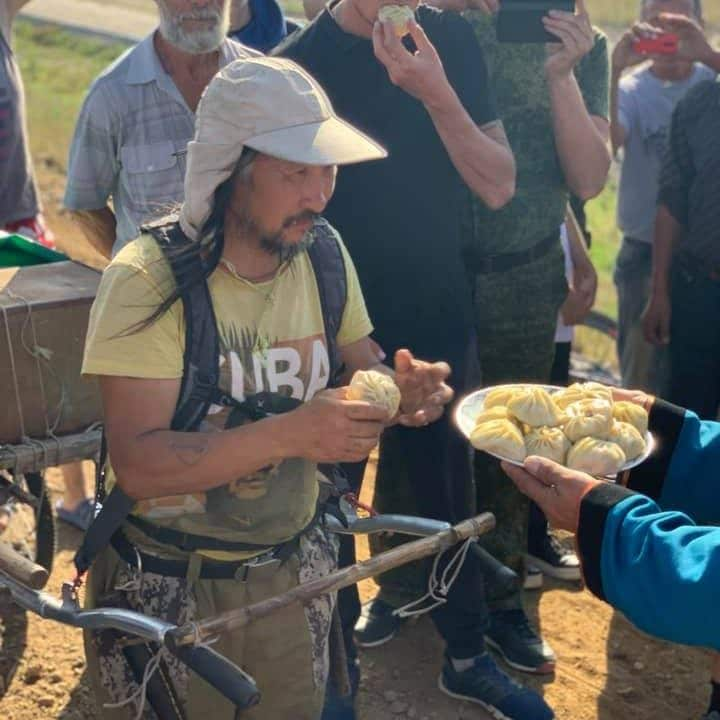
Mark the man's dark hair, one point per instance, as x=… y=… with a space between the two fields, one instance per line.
x=208 y=246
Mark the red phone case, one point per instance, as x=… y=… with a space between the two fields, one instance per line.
x=661 y=45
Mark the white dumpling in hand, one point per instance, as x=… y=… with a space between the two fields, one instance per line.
x=628 y=438
x=499 y=437
x=582 y=391
x=596 y=457
x=588 y=418
x=534 y=406
x=376 y=388
x=629 y=412
x=547 y=442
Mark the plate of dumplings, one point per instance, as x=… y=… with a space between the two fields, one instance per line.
x=581 y=427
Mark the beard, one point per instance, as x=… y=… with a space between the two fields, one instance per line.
x=197 y=42
x=274 y=243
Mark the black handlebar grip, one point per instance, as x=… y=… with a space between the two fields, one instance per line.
x=501 y=578
x=226 y=677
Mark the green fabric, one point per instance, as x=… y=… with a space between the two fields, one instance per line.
x=517 y=78
x=516 y=313
x=18 y=251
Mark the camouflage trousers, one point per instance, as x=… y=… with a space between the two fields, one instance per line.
x=516 y=315
x=286 y=653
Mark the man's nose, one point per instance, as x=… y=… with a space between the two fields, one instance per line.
x=317 y=196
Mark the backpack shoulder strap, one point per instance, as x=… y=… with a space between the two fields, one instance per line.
x=197 y=391
x=200 y=361
x=330 y=273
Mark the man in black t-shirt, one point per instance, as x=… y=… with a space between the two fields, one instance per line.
x=426 y=99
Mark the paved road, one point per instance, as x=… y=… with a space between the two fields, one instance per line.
x=100 y=17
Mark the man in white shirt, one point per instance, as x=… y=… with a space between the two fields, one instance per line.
x=137 y=119
x=641 y=109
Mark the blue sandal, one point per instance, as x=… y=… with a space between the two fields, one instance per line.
x=80 y=517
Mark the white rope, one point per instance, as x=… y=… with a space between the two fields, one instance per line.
x=438 y=589
x=44 y=354
x=140 y=693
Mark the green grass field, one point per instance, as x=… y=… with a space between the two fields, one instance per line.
x=57 y=68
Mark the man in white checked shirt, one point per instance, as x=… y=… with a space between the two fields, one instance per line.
x=130 y=138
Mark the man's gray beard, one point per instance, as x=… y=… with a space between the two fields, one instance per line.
x=199 y=42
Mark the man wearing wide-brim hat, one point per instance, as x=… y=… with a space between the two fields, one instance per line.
x=260 y=172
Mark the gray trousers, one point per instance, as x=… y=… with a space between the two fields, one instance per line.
x=642 y=365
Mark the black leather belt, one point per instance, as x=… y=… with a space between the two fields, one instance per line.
x=210 y=569
x=486 y=264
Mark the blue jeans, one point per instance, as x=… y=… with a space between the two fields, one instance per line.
x=642 y=365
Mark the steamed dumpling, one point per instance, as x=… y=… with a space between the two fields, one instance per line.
x=500 y=437
x=628 y=438
x=582 y=391
x=498 y=412
x=588 y=418
x=398 y=15
x=535 y=407
x=629 y=412
x=377 y=388
x=596 y=457
x=501 y=396
x=547 y=442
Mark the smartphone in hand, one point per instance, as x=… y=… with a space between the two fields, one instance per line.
x=665 y=44
x=520 y=21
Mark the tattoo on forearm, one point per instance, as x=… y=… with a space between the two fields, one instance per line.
x=190 y=451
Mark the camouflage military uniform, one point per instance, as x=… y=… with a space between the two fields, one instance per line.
x=516 y=310
x=291 y=644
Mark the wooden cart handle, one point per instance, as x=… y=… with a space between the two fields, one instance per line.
x=19 y=568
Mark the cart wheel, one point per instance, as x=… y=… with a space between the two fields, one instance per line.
x=30 y=530
x=594 y=351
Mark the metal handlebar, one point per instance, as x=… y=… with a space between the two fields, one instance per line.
x=229 y=679
x=501 y=578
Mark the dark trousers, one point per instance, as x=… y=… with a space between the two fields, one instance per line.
x=559 y=375
x=427 y=472
x=695 y=342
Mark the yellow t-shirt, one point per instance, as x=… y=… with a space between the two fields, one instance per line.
x=272 y=338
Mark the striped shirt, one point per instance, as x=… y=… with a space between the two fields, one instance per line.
x=130 y=140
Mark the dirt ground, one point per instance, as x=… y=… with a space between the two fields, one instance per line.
x=607 y=670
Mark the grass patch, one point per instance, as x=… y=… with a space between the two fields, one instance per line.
x=605 y=244
x=57 y=69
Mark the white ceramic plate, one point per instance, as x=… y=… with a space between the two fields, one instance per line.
x=471 y=406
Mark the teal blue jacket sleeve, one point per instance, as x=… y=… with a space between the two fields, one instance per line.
x=654 y=555
x=684 y=473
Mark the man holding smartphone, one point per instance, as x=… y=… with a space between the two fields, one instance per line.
x=642 y=103
x=553 y=101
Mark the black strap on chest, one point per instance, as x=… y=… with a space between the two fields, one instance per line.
x=199 y=387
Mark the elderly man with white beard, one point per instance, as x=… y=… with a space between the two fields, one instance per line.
x=136 y=121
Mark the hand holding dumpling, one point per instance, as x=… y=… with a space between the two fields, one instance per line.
x=377 y=388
